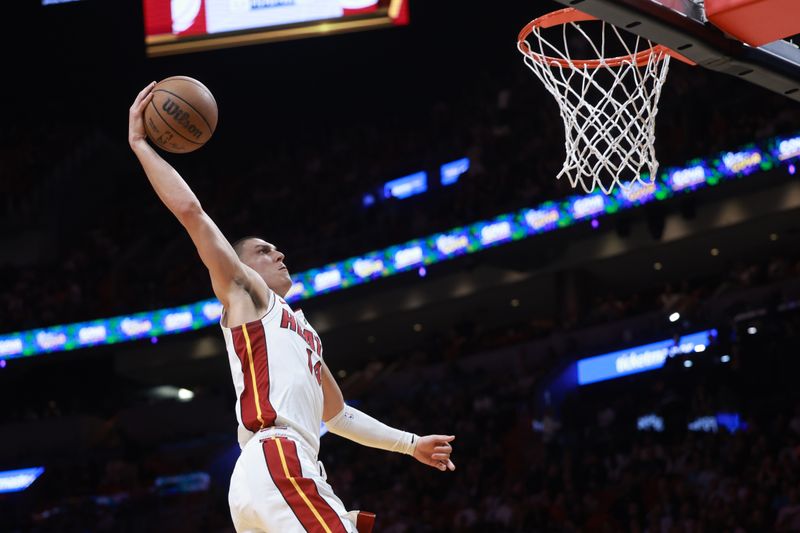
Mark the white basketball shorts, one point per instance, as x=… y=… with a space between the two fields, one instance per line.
x=277 y=486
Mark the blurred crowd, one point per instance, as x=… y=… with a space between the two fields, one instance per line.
x=523 y=464
x=684 y=296
x=81 y=252
x=588 y=468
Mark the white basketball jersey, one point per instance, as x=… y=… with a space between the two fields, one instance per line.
x=276 y=364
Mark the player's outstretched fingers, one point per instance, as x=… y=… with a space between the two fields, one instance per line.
x=441 y=452
x=144 y=102
x=143 y=94
x=443 y=462
x=435 y=450
x=444 y=447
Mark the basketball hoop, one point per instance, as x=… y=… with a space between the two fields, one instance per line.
x=608 y=104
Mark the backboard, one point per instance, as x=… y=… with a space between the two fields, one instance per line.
x=683 y=26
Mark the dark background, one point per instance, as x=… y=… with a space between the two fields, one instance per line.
x=471 y=349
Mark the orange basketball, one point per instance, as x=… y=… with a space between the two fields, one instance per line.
x=182 y=115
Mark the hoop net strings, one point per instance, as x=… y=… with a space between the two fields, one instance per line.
x=609 y=134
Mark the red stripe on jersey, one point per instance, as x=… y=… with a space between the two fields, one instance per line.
x=258 y=345
x=247 y=402
x=300 y=493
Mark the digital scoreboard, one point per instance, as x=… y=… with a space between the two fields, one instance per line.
x=180 y=26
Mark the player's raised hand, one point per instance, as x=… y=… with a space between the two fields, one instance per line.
x=435 y=450
x=136 y=130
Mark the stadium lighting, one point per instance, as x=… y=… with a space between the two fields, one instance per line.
x=674 y=317
x=185 y=395
x=725 y=358
x=451 y=172
x=404 y=187
x=19 y=480
x=688 y=363
x=752 y=330
x=636 y=359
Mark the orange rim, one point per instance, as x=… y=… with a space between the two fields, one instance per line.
x=568 y=15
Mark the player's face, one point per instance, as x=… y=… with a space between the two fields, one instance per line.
x=267 y=260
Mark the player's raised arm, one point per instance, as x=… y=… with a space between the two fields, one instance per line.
x=228 y=273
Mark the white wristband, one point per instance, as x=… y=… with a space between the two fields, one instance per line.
x=352 y=424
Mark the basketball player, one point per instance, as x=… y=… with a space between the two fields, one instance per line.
x=283 y=386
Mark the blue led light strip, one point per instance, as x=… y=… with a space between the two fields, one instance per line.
x=19 y=480
x=418 y=253
x=640 y=358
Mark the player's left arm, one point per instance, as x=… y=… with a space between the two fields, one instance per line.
x=350 y=423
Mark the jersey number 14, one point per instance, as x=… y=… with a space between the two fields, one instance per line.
x=316 y=369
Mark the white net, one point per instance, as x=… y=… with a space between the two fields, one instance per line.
x=608 y=105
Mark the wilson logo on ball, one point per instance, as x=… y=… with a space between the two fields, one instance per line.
x=181 y=117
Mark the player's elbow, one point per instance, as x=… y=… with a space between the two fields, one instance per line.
x=189 y=212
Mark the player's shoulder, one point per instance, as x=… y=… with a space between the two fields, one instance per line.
x=283 y=306
x=301 y=316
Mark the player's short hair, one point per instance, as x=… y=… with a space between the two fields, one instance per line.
x=238 y=244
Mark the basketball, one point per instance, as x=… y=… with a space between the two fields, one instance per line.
x=182 y=115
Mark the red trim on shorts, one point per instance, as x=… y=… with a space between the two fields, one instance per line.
x=300 y=493
x=247 y=402
x=258 y=344
x=365 y=522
